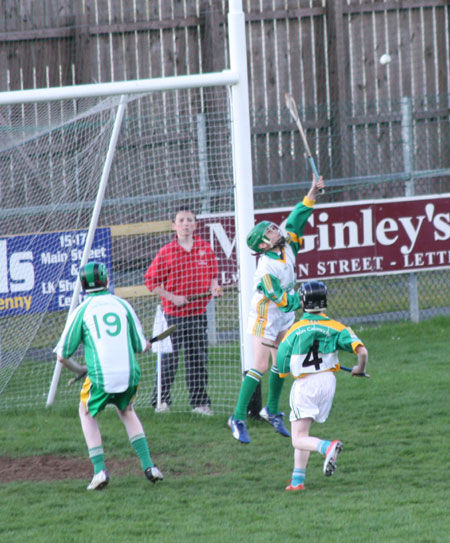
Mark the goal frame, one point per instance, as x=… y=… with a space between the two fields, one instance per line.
x=236 y=79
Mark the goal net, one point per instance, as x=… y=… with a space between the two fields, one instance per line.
x=173 y=151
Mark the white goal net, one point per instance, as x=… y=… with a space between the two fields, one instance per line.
x=174 y=151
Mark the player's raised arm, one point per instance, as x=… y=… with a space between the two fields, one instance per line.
x=318 y=184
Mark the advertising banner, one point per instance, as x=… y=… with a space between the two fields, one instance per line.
x=38 y=272
x=354 y=239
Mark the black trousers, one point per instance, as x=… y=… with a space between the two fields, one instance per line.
x=190 y=335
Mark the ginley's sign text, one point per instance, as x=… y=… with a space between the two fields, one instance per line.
x=358 y=238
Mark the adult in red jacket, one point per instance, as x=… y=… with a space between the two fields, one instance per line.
x=182 y=274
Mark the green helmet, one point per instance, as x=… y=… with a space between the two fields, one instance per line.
x=257 y=236
x=94 y=276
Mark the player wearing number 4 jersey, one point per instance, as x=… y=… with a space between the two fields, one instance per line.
x=309 y=352
x=111 y=333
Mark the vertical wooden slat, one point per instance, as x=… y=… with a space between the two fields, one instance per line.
x=116 y=42
x=143 y=43
x=287 y=137
x=259 y=82
x=369 y=162
x=387 y=38
x=416 y=44
x=321 y=143
x=404 y=53
x=338 y=85
x=442 y=40
x=430 y=83
x=104 y=60
x=83 y=49
x=428 y=54
x=4 y=67
x=272 y=91
x=212 y=36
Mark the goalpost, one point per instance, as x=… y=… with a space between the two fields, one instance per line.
x=97 y=171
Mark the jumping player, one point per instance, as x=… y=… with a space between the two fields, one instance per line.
x=111 y=333
x=267 y=323
x=309 y=351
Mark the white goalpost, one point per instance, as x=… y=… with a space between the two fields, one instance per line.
x=97 y=172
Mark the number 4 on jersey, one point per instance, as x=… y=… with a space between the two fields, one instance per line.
x=313 y=358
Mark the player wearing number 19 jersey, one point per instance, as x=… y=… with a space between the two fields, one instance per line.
x=111 y=333
x=309 y=352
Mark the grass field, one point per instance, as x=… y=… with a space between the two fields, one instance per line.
x=391 y=484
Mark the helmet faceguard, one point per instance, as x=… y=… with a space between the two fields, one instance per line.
x=314 y=296
x=258 y=234
x=94 y=277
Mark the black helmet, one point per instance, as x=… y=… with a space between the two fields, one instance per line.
x=313 y=295
x=94 y=276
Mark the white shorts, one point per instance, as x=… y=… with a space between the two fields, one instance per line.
x=265 y=320
x=312 y=396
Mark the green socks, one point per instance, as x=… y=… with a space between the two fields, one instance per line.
x=97 y=456
x=275 y=388
x=140 y=445
x=139 y=442
x=248 y=387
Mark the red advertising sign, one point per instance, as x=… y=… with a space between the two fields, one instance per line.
x=354 y=239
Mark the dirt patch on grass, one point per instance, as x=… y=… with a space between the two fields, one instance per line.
x=58 y=468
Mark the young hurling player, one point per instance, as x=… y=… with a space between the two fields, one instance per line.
x=111 y=333
x=309 y=351
x=267 y=323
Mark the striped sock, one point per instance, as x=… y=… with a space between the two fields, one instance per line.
x=275 y=387
x=298 y=477
x=97 y=456
x=322 y=446
x=140 y=445
x=248 y=387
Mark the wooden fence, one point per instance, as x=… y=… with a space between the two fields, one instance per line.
x=326 y=53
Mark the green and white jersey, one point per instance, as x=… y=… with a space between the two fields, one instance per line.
x=111 y=333
x=282 y=267
x=311 y=345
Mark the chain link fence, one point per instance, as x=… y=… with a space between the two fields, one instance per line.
x=365 y=152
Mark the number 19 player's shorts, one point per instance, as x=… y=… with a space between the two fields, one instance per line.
x=312 y=396
x=95 y=400
x=265 y=320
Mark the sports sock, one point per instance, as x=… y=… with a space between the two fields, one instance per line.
x=140 y=445
x=322 y=446
x=275 y=387
x=97 y=456
x=248 y=387
x=298 y=477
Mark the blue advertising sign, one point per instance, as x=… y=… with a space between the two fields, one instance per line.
x=38 y=272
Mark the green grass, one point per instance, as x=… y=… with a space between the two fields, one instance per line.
x=391 y=485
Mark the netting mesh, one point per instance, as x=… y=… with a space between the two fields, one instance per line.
x=174 y=150
x=50 y=171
